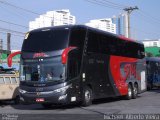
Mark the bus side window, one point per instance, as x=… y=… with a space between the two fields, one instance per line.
x=77 y=39
x=13 y=80
x=1 y=80
x=73 y=68
x=93 y=42
x=73 y=64
x=7 y=80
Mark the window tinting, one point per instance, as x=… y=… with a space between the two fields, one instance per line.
x=48 y=40
x=7 y=80
x=13 y=80
x=77 y=38
x=93 y=42
x=1 y=80
x=104 y=43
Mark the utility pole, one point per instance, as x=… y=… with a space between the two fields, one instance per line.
x=1 y=44
x=129 y=10
x=8 y=41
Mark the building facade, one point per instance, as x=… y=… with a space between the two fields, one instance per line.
x=152 y=47
x=121 y=26
x=53 y=18
x=151 y=43
x=105 y=24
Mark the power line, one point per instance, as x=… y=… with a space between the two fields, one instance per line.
x=14 y=24
x=8 y=30
x=9 y=4
x=11 y=34
x=142 y=31
x=115 y=4
x=26 y=10
x=15 y=12
x=104 y=4
x=29 y=11
x=146 y=15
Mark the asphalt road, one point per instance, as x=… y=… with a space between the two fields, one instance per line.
x=146 y=106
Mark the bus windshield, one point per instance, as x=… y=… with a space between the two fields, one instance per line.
x=46 y=40
x=42 y=70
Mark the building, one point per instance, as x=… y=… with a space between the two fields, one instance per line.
x=53 y=18
x=105 y=24
x=151 y=43
x=121 y=26
x=152 y=47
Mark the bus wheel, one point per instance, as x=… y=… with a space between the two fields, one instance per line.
x=87 y=97
x=129 y=94
x=46 y=105
x=17 y=100
x=135 y=91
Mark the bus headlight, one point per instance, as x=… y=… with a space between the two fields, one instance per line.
x=63 y=89
x=22 y=91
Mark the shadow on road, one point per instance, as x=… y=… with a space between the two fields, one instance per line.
x=155 y=90
x=40 y=107
x=5 y=103
x=63 y=107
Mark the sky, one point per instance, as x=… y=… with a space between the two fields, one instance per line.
x=16 y=14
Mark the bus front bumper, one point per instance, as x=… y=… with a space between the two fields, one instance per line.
x=59 y=98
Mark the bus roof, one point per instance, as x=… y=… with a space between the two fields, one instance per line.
x=156 y=59
x=85 y=27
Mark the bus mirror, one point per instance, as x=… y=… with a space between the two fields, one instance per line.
x=9 y=59
x=64 y=57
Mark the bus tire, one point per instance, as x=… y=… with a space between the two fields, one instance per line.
x=17 y=100
x=135 y=91
x=129 y=94
x=87 y=97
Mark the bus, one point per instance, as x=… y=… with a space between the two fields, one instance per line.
x=153 y=72
x=78 y=64
x=9 y=84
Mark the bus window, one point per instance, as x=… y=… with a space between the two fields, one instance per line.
x=7 y=80
x=46 y=40
x=93 y=43
x=1 y=80
x=77 y=38
x=73 y=68
x=13 y=80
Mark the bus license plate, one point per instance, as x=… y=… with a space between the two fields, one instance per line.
x=39 y=99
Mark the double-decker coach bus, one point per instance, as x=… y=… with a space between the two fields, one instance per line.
x=66 y=64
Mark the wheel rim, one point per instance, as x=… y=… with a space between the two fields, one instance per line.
x=129 y=92
x=135 y=90
x=87 y=95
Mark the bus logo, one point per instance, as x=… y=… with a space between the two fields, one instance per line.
x=37 y=55
x=128 y=71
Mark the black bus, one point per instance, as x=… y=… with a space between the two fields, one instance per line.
x=153 y=72
x=68 y=64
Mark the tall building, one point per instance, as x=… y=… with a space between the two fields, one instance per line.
x=53 y=18
x=121 y=24
x=103 y=24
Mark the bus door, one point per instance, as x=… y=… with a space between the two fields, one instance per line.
x=92 y=75
x=97 y=75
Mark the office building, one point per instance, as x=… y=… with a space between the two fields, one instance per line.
x=53 y=18
x=105 y=24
